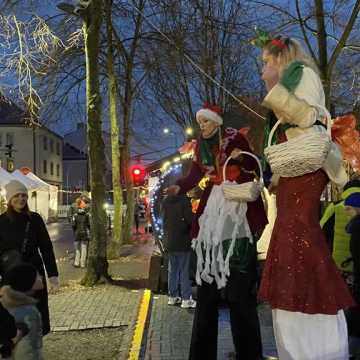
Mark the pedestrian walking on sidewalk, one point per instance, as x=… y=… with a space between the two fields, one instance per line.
x=20 y=283
x=23 y=236
x=300 y=280
x=137 y=214
x=177 y=220
x=81 y=227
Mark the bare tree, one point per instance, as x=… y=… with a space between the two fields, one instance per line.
x=28 y=48
x=201 y=48
x=114 y=246
x=97 y=267
x=128 y=46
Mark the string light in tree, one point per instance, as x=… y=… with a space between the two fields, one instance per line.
x=156 y=196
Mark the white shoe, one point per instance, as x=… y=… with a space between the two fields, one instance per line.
x=174 y=300
x=188 y=304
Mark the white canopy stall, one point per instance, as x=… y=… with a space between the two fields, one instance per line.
x=52 y=192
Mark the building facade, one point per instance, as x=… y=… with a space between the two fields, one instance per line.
x=36 y=147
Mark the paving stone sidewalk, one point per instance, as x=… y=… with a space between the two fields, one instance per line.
x=169 y=332
x=103 y=306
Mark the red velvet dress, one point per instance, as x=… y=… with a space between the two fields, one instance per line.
x=300 y=274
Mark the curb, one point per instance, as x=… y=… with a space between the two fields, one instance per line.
x=137 y=340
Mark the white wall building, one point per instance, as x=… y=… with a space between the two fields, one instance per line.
x=36 y=148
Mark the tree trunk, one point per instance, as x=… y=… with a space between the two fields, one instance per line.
x=97 y=267
x=127 y=110
x=115 y=243
x=129 y=218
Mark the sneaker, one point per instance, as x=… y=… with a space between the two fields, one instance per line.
x=188 y=304
x=174 y=300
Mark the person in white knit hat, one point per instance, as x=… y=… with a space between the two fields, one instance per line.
x=23 y=235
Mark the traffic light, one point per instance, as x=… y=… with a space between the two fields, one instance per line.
x=10 y=150
x=138 y=175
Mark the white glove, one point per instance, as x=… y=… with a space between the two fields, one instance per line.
x=54 y=283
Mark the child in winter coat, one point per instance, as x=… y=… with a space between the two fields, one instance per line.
x=81 y=227
x=20 y=282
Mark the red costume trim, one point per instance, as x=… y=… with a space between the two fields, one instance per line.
x=278 y=43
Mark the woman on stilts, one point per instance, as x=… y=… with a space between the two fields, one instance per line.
x=224 y=238
x=300 y=280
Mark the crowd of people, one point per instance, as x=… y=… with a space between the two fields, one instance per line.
x=314 y=309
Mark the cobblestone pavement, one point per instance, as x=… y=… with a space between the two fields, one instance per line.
x=169 y=332
x=103 y=306
x=85 y=320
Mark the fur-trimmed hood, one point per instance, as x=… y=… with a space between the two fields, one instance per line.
x=11 y=298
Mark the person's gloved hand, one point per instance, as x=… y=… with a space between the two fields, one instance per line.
x=54 y=283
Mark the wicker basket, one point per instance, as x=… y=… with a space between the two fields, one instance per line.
x=301 y=155
x=246 y=192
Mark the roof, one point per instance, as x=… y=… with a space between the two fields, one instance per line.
x=70 y=152
x=13 y=115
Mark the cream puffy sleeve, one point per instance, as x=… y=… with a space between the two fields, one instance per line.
x=304 y=106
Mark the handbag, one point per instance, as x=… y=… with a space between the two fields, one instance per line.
x=245 y=192
x=300 y=155
x=13 y=257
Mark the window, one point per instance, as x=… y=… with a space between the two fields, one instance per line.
x=9 y=139
x=51 y=168
x=58 y=170
x=57 y=148
x=44 y=166
x=45 y=143
x=51 y=145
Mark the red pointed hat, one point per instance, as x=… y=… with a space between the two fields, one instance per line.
x=211 y=112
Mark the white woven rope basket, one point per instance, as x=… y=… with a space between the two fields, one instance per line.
x=301 y=155
x=246 y=192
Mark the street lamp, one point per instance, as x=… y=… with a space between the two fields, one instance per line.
x=189 y=131
x=166 y=131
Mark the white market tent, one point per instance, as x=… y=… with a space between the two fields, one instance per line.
x=52 y=194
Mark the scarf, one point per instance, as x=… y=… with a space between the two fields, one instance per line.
x=207 y=157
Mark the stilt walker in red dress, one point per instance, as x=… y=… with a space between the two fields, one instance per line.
x=300 y=279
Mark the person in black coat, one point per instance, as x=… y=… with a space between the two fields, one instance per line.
x=81 y=227
x=19 y=226
x=177 y=220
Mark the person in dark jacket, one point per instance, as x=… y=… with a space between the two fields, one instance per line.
x=352 y=207
x=8 y=331
x=19 y=226
x=81 y=227
x=177 y=220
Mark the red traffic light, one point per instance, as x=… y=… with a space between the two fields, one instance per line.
x=136 y=172
x=138 y=175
